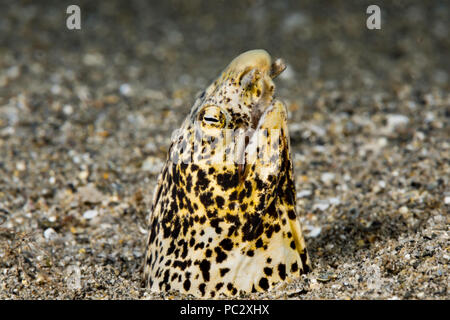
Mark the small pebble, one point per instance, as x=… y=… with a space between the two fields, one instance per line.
x=125 y=89
x=327 y=276
x=304 y=193
x=152 y=164
x=313 y=232
x=321 y=205
x=67 y=109
x=50 y=234
x=90 y=214
x=334 y=201
x=327 y=177
x=21 y=166
x=396 y=120
x=403 y=210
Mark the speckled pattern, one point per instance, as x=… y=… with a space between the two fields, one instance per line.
x=86 y=120
x=222 y=224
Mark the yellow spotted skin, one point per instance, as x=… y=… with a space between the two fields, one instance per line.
x=217 y=227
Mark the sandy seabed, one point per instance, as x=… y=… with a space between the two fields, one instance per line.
x=86 y=118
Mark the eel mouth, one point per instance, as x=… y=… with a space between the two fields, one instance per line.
x=267 y=88
x=264 y=145
x=256 y=70
x=267 y=113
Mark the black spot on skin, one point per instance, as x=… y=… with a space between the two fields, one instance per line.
x=272 y=210
x=205 y=265
x=233 y=291
x=189 y=183
x=259 y=243
x=248 y=189
x=252 y=228
x=259 y=184
x=221 y=256
x=243 y=207
x=293 y=244
x=224 y=271
x=289 y=195
x=228 y=180
x=268 y=271
x=234 y=219
x=185 y=249
x=202 y=220
x=211 y=213
x=233 y=196
x=282 y=271
x=175 y=175
x=229 y=286
x=294 y=267
x=262 y=202
x=304 y=256
x=242 y=195
x=211 y=170
x=202 y=180
x=292 y=215
x=201 y=287
x=226 y=244
x=276 y=228
x=208 y=253
x=220 y=202
x=206 y=199
x=269 y=260
x=250 y=253
x=166 y=276
x=264 y=284
x=171 y=248
x=152 y=233
x=215 y=224
x=232 y=230
x=269 y=231
x=199 y=245
x=219 y=285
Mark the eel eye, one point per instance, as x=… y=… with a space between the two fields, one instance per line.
x=212 y=117
x=210 y=120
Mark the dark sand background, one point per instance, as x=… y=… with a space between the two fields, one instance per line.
x=86 y=118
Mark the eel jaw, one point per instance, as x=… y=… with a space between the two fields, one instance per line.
x=256 y=69
x=266 y=144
